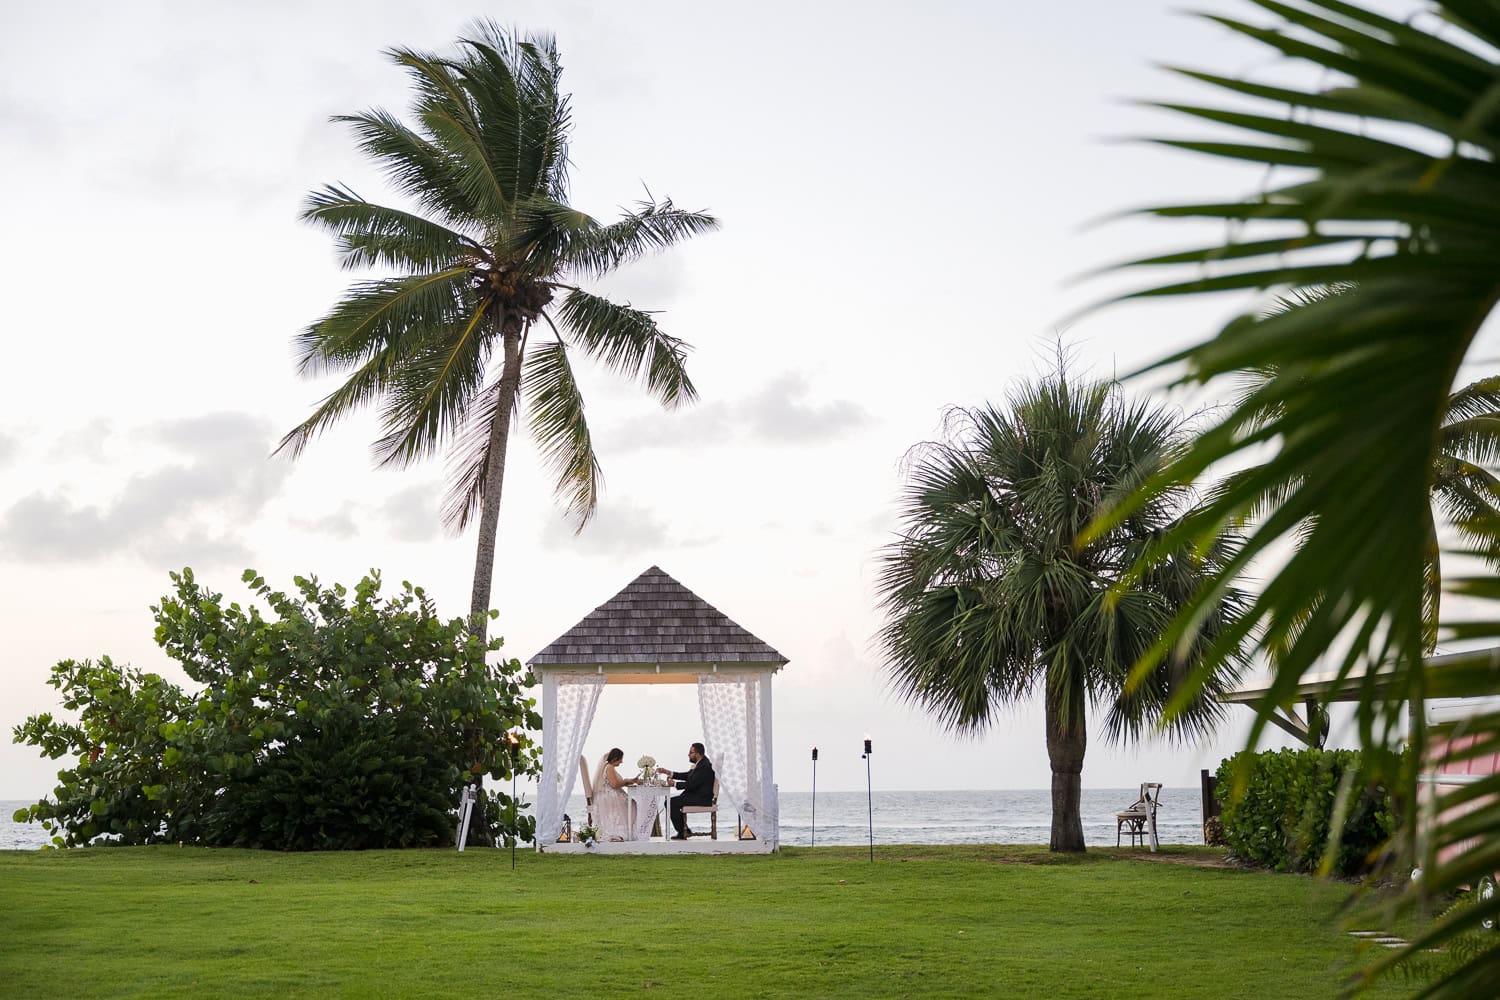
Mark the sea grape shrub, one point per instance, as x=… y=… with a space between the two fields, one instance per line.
x=121 y=785
x=336 y=721
x=354 y=782
x=1284 y=817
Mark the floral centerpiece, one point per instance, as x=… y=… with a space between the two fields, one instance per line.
x=588 y=835
x=647 y=764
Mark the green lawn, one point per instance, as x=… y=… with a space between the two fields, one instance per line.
x=920 y=922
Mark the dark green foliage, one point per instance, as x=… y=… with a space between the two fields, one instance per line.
x=119 y=786
x=1283 y=816
x=356 y=782
x=334 y=724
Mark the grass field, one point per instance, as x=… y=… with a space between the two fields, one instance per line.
x=920 y=922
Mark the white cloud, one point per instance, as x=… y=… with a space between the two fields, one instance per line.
x=84 y=443
x=620 y=528
x=779 y=413
x=342 y=524
x=216 y=481
x=412 y=515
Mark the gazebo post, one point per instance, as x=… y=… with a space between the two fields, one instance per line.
x=549 y=743
x=768 y=789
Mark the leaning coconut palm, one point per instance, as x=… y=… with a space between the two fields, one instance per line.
x=489 y=250
x=1384 y=143
x=989 y=596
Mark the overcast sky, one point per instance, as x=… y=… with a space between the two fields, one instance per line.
x=905 y=191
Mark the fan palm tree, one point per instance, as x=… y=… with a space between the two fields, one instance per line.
x=989 y=595
x=1383 y=176
x=487 y=253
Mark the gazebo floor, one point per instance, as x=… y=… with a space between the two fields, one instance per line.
x=696 y=845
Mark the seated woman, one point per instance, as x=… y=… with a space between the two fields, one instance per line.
x=611 y=804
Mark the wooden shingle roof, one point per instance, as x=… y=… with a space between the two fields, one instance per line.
x=656 y=620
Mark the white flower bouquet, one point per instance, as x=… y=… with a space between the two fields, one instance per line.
x=587 y=835
x=647 y=764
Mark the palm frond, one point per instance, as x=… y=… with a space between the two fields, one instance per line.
x=375 y=316
x=1480 y=398
x=562 y=432
x=414 y=164
x=628 y=341
x=1474 y=440
x=445 y=107
x=1362 y=380
x=519 y=108
x=469 y=458
x=424 y=405
x=652 y=227
x=372 y=235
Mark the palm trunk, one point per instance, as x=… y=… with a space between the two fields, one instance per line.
x=1432 y=599
x=1067 y=739
x=480 y=834
x=494 y=480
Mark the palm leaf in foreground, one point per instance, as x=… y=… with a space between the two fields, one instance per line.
x=1362 y=381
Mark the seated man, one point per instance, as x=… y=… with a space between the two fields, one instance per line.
x=697 y=784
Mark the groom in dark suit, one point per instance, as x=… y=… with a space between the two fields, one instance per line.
x=697 y=784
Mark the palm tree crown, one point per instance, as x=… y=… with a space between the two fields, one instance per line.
x=488 y=248
x=990 y=593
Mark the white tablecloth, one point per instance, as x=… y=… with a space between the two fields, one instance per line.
x=649 y=801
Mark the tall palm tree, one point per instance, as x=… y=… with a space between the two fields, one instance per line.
x=989 y=595
x=486 y=249
x=1382 y=152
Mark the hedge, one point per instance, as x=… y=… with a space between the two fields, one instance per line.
x=1283 y=817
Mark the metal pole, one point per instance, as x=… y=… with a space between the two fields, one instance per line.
x=870 y=793
x=515 y=810
x=815 y=798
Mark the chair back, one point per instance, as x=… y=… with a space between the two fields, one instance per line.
x=588 y=784
x=1151 y=795
x=716 y=792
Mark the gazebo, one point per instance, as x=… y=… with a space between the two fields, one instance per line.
x=656 y=631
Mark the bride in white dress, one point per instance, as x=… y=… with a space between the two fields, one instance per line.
x=611 y=804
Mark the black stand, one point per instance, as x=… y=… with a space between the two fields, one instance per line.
x=869 y=792
x=815 y=798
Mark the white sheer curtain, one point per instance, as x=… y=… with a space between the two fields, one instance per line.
x=731 y=711
x=568 y=703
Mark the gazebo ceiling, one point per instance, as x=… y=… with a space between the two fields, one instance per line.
x=654 y=632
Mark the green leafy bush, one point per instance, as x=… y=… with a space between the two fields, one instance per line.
x=334 y=723
x=1277 y=810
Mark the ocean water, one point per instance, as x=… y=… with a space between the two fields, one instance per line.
x=924 y=817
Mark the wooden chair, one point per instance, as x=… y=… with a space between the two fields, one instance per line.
x=1133 y=821
x=712 y=810
x=588 y=787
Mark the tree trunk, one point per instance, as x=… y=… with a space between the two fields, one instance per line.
x=494 y=480
x=1067 y=739
x=480 y=834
